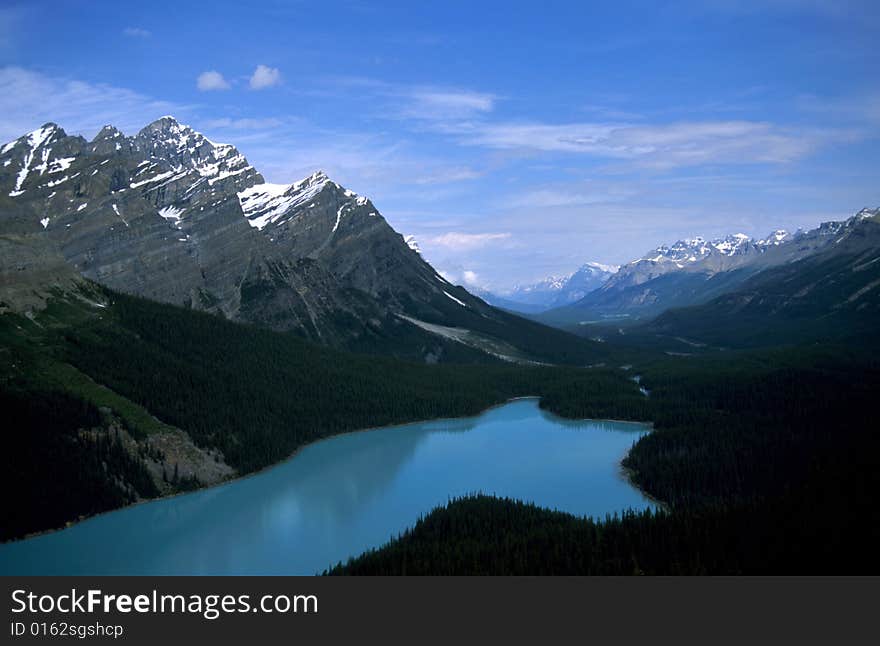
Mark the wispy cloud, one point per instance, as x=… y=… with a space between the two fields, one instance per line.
x=446 y=175
x=137 y=32
x=443 y=104
x=420 y=102
x=660 y=146
x=264 y=77
x=244 y=123
x=211 y=80
x=29 y=99
x=464 y=241
x=565 y=196
x=471 y=118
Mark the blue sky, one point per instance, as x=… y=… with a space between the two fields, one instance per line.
x=514 y=140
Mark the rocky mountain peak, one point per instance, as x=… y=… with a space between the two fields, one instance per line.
x=51 y=131
x=106 y=133
x=43 y=135
x=38 y=153
x=319 y=176
x=175 y=148
x=166 y=124
x=867 y=213
x=775 y=238
x=167 y=137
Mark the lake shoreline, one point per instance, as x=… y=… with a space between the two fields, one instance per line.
x=300 y=448
x=629 y=475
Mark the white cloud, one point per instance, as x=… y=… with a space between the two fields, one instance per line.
x=471 y=278
x=137 y=32
x=448 y=175
x=465 y=277
x=264 y=77
x=211 y=80
x=442 y=104
x=29 y=99
x=564 y=196
x=660 y=146
x=245 y=123
x=464 y=241
x=429 y=103
x=467 y=116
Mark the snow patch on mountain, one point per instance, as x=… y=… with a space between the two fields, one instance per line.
x=33 y=140
x=454 y=298
x=412 y=243
x=265 y=204
x=172 y=214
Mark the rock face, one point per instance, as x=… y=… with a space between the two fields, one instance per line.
x=172 y=216
x=694 y=271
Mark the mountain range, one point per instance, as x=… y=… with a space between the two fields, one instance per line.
x=831 y=294
x=169 y=215
x=694 y=271
x=554 y=291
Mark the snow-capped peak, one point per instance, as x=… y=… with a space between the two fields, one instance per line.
x=551 y=283
x=36 y=140
x=608 y=269
x=775 y=238
x=691 y=250
x=683 y=251
x=732 y=244
x=176 y=149
x=108 y=132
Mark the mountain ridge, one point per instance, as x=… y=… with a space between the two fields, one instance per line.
x=693 y=271
x=831 y=295
x=170 y=215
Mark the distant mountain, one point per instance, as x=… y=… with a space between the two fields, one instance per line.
x=172 y=216
x=554 y=291
x=832 y=295
x=691 y=272
x=586 y=279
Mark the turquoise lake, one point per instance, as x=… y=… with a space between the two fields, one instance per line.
x=341 y=496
